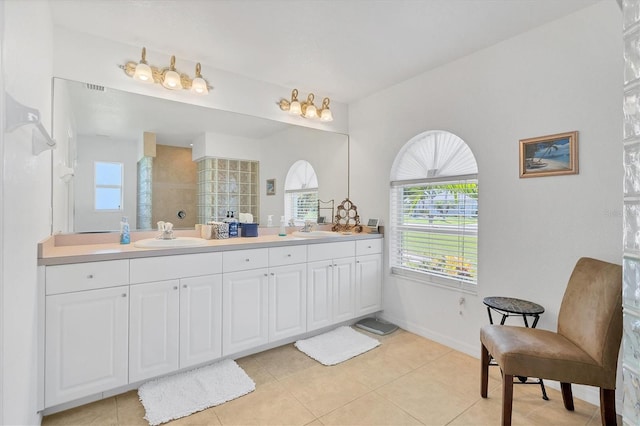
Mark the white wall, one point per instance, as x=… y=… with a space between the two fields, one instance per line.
x=90 y=150
x=561 y=77
x=26 y=68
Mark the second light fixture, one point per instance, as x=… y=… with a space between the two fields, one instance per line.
x=307 y=109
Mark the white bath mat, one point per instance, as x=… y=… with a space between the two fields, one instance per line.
x=176 y=396
x=337 y=345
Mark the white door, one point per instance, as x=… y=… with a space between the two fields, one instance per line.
x=200 y=319
x=320 y=294
x=153 y=333
x=287 y=301
x=245 y=310
x=368 y=284
x=86 y=343
x=344 y=301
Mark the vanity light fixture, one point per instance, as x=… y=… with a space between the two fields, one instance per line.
x=306 y=109
x=168 y=77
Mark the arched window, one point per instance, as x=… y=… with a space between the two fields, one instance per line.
x=434 y=211
x=301 y=193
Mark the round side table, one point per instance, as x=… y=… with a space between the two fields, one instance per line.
x=510 y=306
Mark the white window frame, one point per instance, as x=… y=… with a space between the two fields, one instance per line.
x=295 y=187
x=411 y=238
x=96 y=185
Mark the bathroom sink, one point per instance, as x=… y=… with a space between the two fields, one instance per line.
x=175 y=243
x=316 y=234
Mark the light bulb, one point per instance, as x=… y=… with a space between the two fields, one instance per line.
x=295 y=108
x=311 y=111
x=199 y=86
x=143 y=73
x=171 y=80
x=325 y=115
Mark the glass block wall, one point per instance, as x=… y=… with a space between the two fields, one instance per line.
x=227 y=185
x=631 y=222
x=145 y=180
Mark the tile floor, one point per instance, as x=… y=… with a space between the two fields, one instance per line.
x=408 y=380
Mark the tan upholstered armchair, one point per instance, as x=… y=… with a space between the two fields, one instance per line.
x=584 y=350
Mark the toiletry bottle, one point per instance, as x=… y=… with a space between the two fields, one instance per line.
x=283 y=230
x=233 y=226
x=125 y=237
x=270 y=220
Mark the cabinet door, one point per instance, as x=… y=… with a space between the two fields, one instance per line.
x=320 y=294
x=368 y=284
x=86 y=343
x=200 y=319
x=287 y=301
x=344 y=301
x=153 y=334
x=245 y=314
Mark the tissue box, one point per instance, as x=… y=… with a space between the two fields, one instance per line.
x=249 y=229
x=219 y=230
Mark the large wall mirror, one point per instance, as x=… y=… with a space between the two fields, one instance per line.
x=106 y=138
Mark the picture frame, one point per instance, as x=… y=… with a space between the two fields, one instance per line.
x=271 y=187
x=550 y=155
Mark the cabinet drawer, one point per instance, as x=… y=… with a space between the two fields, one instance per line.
x=368 y=247
x=330 y=250
x=86 y=276
x=241 y=260
x=280 y=256
x=171 y=267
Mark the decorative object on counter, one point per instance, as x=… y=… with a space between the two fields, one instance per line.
x=327 y=206
x=219 y=230
x=283 y=230
x=271 y=187
x=249 y=229
x=168 y=77
x=372 y=224
x=165 y=230
x=177 y=396
x=306 y=109
x=125 y=236
x=337 y=345
x=347 y=218
x=551 y=155
x=270 y=220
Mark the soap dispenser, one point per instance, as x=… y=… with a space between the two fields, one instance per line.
x=125 y=237
x=283 y=230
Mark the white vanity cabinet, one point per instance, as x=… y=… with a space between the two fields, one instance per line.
x=330 y=283
x=368 y=286
x=154 y=324
x=175 y=322
x=287 y=292
x=245 y=286
x=86 y=331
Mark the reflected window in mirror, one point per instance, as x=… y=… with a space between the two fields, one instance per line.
x=301 y=193
x=108 y=186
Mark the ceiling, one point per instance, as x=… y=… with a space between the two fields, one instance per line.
x=344 y=49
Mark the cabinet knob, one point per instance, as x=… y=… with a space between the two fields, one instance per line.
x=265 y=275
x=272 y=274
x=90 y=276
x=124 y=294
x=175 y=287
x=184 y=286
x=357 y=261
x=368 y=246
x=289 y=255
x=246 y=260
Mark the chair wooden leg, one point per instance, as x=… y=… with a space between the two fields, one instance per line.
x=484 y=371
x=507 y=399
x=608 y=407
x=567 y=395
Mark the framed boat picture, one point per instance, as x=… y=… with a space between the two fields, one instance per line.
x=550 y=155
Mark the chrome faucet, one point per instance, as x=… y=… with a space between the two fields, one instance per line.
x=166 y=231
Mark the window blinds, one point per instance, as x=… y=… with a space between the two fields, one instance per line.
x=435 y=229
